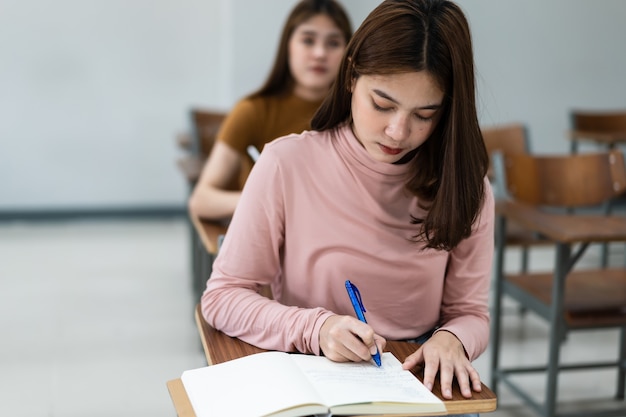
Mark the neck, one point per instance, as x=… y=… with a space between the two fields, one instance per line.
x=310 y=94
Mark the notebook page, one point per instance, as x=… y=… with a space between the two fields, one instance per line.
x=349 y=382
x=254 y=385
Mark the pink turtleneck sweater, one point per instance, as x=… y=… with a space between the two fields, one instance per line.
x=317 y=210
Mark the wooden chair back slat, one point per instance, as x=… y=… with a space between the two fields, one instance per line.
x=599 y=121
x=565 y=180
x=507 y=138
x=205 y=125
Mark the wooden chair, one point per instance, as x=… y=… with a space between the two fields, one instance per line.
x=607 y=128
x=568 y=298
x=604 y=128
x=198 y=141
x=506 y=138
x=510 y=138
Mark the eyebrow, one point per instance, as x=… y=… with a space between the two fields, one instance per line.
x=393 y=100
x=312 y=32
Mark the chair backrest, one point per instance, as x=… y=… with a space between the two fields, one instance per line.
x=598 y=121
x=205 y=125
x=565 y=180
x=506 y=138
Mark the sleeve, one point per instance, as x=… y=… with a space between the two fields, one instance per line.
x=465 y=306
x=251 y=257
x=242 y=125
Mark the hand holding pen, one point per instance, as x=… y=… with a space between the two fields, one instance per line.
x=342 y=338
x=359 y=309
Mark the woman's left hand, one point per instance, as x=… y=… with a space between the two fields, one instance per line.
x=444 y=353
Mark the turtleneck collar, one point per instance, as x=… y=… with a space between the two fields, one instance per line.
x=351 y=148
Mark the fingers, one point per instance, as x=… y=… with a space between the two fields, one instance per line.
x=381 y=342
x=344 y=338
x=464 y=373
x=413 y=359
x=475 y=380
x=466 y=376
x=445 y=357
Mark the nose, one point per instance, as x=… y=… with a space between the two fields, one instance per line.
x=399 y=127
x=319 y=50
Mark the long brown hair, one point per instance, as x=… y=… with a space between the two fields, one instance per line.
x=448 y=170
x=280 y=79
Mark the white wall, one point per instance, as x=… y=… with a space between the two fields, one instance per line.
x=537 y=60
x=92 y=92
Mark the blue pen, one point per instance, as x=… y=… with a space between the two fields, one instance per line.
x=359 y=309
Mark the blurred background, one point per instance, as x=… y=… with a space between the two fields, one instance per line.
x=96 y=316
x=93 y=92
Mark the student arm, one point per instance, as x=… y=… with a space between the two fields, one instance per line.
x=210 y=199
x=250 y=258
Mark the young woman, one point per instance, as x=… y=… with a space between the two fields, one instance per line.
x=310 y=50
x=388 y=191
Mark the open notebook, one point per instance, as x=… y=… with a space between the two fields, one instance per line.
x=280 y=384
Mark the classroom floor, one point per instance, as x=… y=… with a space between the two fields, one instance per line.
x=96 y=316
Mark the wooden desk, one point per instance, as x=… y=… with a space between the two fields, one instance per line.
x=191 y=167
x=607 y=139
x=567 y=299
x=564 y=228
x=220 y=348
x=207 y=234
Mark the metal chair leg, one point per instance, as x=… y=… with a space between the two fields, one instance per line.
x=621 y=374
x=496 y=315
x=557 y=325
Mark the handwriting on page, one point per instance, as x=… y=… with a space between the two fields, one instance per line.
x=382 y=379
x=366 y=378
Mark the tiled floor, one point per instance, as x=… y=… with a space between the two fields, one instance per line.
x=95 y=317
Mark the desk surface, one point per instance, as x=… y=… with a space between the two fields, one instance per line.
x=608 y=138
x=565 y=228
x=220 y=348
x=209 y=232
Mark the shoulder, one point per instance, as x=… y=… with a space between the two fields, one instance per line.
x=248 y=106
x=293 y=144
x=292 y=152
x=242 y=124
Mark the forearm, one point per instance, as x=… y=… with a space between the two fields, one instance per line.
x=243 y=313
x=212 y=203
x=472 y=331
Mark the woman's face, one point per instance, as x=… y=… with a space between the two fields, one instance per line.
x=315 y=50
x=394 y=114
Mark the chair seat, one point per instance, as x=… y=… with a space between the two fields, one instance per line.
x=593 y=298
x=517 y=235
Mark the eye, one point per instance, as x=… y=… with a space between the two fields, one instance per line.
x=334 y=44
x=308 y=40
x=426 y=115
x=424 y=118
x=379 y=108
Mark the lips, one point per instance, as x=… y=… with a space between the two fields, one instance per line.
x=319 y=70
x=388 y=150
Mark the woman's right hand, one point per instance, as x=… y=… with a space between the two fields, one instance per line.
x=346 y=339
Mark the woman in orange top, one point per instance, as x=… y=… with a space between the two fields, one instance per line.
x=310 y=50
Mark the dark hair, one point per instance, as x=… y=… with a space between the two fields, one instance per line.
x=448 y=171
x=280 y=79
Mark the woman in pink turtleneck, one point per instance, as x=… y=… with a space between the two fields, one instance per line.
x=388 y=191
